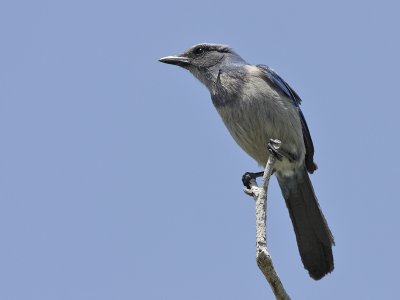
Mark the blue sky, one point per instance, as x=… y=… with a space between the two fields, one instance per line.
x=118 y=179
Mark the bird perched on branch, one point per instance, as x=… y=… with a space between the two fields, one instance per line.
x=257 y=105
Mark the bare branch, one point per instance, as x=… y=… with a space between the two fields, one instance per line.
x=263 y=257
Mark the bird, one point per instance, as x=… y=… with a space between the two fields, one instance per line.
x=256 y=106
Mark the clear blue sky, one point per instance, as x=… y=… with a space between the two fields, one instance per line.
x=118 y=179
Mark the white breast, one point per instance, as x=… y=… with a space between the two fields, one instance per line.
x=261 y=114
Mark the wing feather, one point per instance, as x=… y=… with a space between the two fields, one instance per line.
x=273 y=78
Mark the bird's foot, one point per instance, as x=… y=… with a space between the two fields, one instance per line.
x=248 y=176
x=279 y=153
x=273 y=148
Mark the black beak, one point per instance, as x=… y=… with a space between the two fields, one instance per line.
x=175 y=60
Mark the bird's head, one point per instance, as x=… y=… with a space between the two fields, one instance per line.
x=205 y=61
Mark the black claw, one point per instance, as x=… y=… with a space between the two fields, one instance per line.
x=248 y=176
x=246 y=179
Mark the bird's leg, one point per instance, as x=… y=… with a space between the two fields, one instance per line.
x=273 y=148
x=280 y=153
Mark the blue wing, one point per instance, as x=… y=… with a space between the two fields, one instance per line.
x=281 y=84
x=273 y=78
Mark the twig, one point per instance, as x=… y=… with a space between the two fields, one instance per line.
x=259 y=194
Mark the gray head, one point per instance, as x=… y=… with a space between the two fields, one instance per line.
x=205 y=61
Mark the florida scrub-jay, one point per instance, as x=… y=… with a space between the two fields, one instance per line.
x=257 y=105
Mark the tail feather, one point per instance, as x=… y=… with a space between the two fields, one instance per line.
x=314 y=238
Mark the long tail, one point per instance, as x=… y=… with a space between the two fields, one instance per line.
x=313 y=235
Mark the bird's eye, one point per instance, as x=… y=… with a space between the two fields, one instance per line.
x=199 y=50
